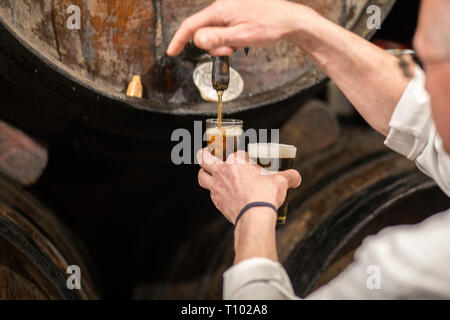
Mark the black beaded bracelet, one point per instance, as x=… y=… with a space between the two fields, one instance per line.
x=254 y=204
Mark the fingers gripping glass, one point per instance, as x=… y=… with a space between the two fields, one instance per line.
x=225 y=139
x=274 y=157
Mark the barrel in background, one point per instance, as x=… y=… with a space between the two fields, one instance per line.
x=35 y=251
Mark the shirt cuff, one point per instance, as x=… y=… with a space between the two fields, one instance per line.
x=411 y=121
x=254 y=270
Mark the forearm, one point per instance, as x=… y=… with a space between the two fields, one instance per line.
x=257 y=274
x=368 y=76
x=254 y=235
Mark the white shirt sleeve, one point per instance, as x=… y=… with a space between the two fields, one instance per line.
x=412 y=262
x=399 y=262
x=257 y=279
x=413 y=133
x=402 y=262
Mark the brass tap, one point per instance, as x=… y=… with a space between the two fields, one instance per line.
x=220 y=73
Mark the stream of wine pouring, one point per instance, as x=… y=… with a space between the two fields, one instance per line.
x=219 y=109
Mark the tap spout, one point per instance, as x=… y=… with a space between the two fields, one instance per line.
x=220 y=73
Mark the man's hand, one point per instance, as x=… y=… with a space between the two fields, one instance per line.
x=237 y=182
x=368 y=76
x=233 y=24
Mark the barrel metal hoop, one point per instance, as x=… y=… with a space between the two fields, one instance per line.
x=26 y=246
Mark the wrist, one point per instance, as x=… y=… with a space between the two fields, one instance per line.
x=254 y=235
x=257 y=215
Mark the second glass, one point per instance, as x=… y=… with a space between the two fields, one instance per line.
x=274 y=157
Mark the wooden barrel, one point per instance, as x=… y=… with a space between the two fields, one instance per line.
x=349 y=191
x=36 y=251
x=69 y=85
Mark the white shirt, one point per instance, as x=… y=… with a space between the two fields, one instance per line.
x=413 y=261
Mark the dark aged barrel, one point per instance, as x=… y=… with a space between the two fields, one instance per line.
x=35 y=251
x=351 y=190
x=69 y=85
